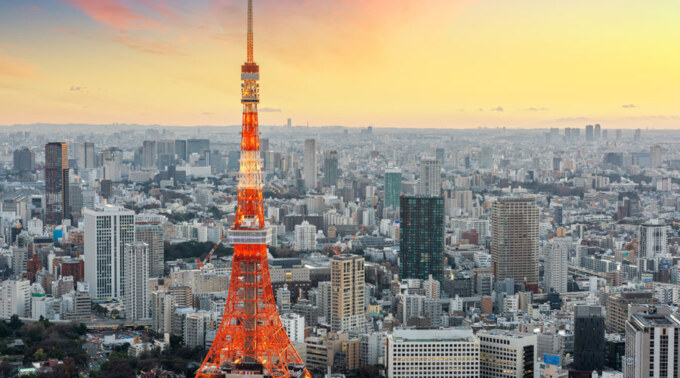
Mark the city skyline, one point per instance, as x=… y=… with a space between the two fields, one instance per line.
x=485 y=64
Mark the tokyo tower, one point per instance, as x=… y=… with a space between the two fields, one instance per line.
x=251 y=340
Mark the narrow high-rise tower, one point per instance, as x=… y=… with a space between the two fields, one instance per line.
x=251 y=340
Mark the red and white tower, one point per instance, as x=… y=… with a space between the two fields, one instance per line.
x=251 y=340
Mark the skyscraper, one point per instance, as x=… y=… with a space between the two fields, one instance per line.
x=330 y=168
x=107 y=231
x=136 y=301
x=309 y=164
x=598 y=132
x=555 y=254
x=655 y=156
x=24 y=161
x=590 y=136
x=514 y=239
x=56 y=183
x=486 y=157
x=652 y=346
x=149 y=229
x=392 y=188
x=422 y=237
x=347 y=293
x=652 y=241
x=588 y=338
x=149 y=154
x=430 y=183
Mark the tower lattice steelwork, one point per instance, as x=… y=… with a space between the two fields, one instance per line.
x=251 y=340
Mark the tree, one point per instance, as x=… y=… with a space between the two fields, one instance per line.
x=39 y=355
x=15 y=323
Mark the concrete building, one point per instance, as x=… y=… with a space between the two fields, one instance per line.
x=555 y=254
x=309 y=164
x=305 y=237
x=194 y=330
x=330 y=168
x=107 y=231
x=515 y=239
x=506 y=354
x=652 y=347
x=15 y=298
x=149 y=229
x=162 y=306
x=430 y=184
x=348 y=312
x=295 y=327
x=136 y=301
x=440 y=353
x=617 y=308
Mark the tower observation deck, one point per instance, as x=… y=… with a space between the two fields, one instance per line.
x=251 y=340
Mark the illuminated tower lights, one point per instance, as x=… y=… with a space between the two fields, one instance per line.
x=251 y=338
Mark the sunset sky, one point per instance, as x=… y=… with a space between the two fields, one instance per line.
x=387 y=63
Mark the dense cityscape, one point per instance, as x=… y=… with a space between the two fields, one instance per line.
x=502 y=256
x=297 y=251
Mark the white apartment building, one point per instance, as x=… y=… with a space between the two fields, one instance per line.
x=136 y=281
x=107 y=230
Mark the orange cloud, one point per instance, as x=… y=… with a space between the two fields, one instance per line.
x=14 y=67
x=113 y=14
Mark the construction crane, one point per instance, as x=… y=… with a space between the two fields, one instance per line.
x=209 y=256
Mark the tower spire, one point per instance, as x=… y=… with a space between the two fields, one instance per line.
x=250 y=31
x=251 y=339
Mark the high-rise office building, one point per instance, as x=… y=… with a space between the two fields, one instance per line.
x=555 y=254
x=330 y=168
x=440 y=155
x=392 y=188
x=655 y=156
x=24 y=161
x=590 y=135
x=56 y=183
x=652 y=346
x=486 y=157
x=197 y=146
x=149 y=229
x=588 y=338
x=515 y=239
x=598 y=132
x=149 y=154
x=652 y=241
x=107 y=231
x=85 y=155
x=136 y=258
x=309 y=164
x=347 y=293
x=181 y=149
x=617 y=308
x=436 y=353
x=430 y=183
x=506 y=354
x=421 y=237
